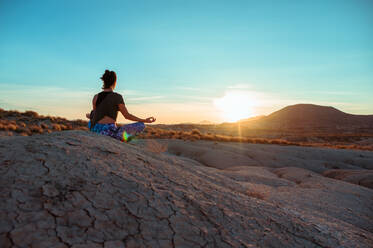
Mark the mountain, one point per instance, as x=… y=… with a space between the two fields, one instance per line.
x=310 y=116
x=254 y=118
x=205 y=122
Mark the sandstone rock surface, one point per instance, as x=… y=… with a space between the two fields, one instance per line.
x=80 y=189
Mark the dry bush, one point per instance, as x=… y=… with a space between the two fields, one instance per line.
x=80 y=123
x=196 y=132
x=56 y=127
x=12 y=113
x=68 y=126
x=31 y=114
x=44 y=126
x=222 y=138
x=63 y=126
x=35 y=129
x=21 y=129
x=11 y=127
x=21 y=124
x=50 y=118
x=209 y=137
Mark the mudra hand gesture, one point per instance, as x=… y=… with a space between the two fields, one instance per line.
x=150 y=120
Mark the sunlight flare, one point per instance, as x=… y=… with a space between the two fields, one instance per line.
x=235 y=105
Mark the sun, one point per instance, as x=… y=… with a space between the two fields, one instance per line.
x=235 y=105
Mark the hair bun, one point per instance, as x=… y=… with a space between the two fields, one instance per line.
x=109 y=78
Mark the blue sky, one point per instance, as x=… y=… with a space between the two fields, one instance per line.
x=176 y=59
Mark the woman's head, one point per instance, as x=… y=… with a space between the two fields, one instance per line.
x=109 y=78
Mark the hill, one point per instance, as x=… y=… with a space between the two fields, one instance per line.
x=311 y=117
x=79 y=189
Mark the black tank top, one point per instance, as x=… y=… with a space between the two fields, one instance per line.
x=106 y=105
x=101 y=96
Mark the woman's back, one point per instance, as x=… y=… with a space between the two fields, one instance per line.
x=107 y=105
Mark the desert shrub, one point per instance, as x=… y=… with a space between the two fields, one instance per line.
x=68 y=126
x=56 y=127
x=30 y=113
x=21 y=129
x=236 y=139
x=11 y=127
x=60 y=120
x=175 y=136
x=222 y=138
x=44 y=126
x=208 y=137
x=63 y=126
x=21 y=124
x=279 y=142
x=35 y=129
x=12 y=113
x=80 y=123
x=196 y=132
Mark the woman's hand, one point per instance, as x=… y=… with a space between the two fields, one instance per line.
x=150 y=120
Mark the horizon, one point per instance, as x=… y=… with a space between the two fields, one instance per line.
x=206 y=122
x=187 y=62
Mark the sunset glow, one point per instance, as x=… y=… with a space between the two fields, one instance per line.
x=186 y=61
x=235 y=105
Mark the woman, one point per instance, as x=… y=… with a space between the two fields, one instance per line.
x=106 y=105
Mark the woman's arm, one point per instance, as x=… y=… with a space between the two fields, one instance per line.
x=128 y=116
x=94 y=102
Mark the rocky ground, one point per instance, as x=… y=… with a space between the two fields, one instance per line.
x=80 y=189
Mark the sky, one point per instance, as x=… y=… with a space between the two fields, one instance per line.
x=187 y=61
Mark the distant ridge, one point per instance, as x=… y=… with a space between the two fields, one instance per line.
x=205 y=122
x=311 y=116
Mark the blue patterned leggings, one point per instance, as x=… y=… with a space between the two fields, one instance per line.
x=123 y=133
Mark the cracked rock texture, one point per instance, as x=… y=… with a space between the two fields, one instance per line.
x=79 y=189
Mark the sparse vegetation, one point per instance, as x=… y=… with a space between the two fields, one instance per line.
x=332 y=141
x=30 y=123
